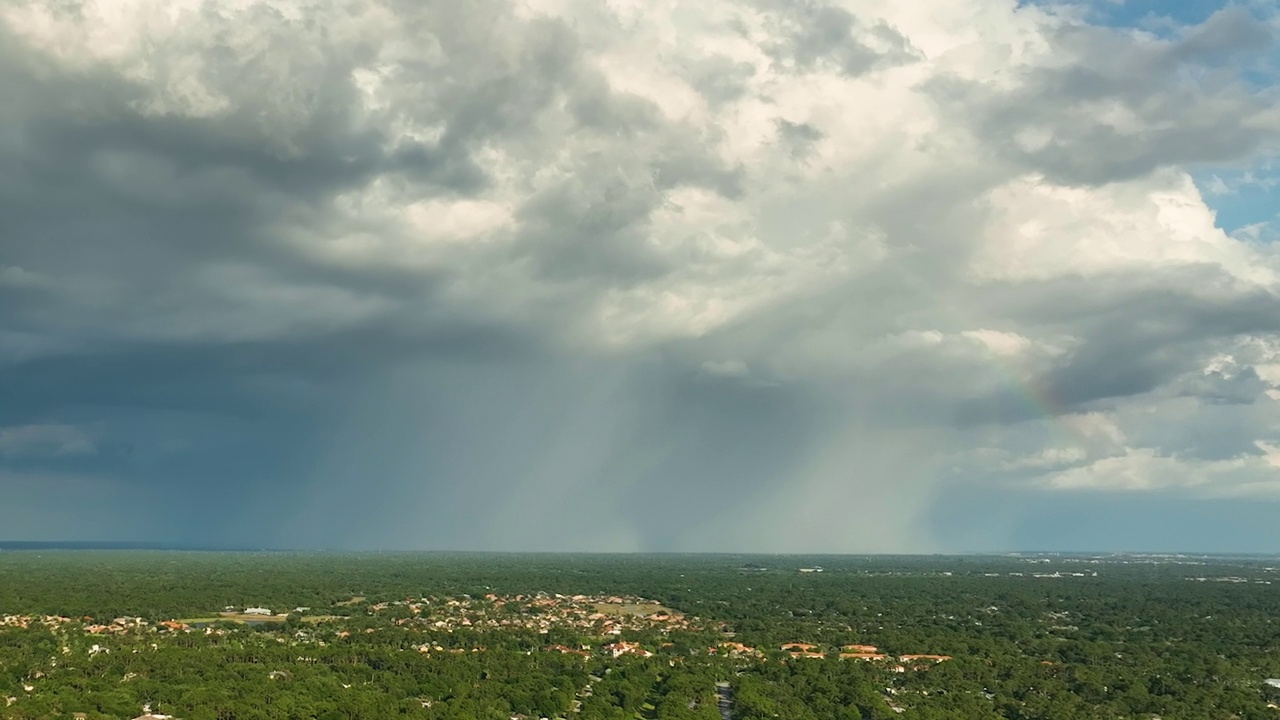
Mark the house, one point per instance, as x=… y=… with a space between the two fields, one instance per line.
x=1273 y=682
x=863 y=656
x=935 y=658
x=799 y=650
x=256 y=611
x=798 y=647
x=625 y=648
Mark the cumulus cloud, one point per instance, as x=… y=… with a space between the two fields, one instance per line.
x=387 y=262
x=1145 y=470
x=1083 y=122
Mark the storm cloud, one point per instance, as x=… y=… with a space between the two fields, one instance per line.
x=569 y=275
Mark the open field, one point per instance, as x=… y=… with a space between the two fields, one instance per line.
x=631 y=609
x=243 y=618
x=233 y=617
x=316 y=619
x=353 y=601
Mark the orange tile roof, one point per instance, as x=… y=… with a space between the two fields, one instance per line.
x=860 y=648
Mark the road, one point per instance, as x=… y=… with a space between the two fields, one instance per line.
x=724 y=700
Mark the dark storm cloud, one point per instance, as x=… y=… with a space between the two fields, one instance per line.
x=112 y=209
x=166 y=195
x=388 y=274
x=1116 y=110
x=1136 y=334
x=1129 y=357
x=1242 y=388
x=77 y=137
x=109 y=215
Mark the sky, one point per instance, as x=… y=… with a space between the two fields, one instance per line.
x=661 y=275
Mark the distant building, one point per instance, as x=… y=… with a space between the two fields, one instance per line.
x=149 y=714
x=1273 y=682
x=626 y=648
x=795 y=646
x=815 y=568
x=257 y=611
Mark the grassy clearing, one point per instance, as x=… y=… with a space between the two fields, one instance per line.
x=355 y=600
x=242 y=618
x=245 y=618
x=631 y=609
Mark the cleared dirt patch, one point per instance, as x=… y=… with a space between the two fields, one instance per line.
x=242 y=618
x=248 y=618
x=641 y=609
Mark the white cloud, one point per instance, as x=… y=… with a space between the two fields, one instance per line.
x=1042 y=230
x=998 y=342
x=1145 y=470
x=1096 y=427
x=1048 y=458
x=45 y=440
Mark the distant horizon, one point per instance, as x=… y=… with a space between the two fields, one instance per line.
x=18 y=545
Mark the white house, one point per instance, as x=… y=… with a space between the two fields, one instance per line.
x=257 y=611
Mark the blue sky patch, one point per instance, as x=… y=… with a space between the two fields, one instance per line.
x=1241 y=198
x=1157 y=16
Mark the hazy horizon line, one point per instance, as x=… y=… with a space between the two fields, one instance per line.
x=21 y=545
